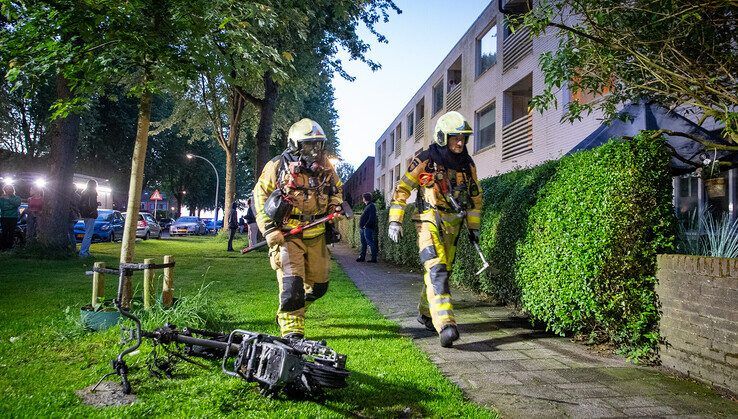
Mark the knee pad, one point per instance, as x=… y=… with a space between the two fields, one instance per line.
x=439 y=279
x=319 y=290
x=293 y=294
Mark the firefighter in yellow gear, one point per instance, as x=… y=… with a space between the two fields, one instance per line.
x=294 y=189
x=449 y=195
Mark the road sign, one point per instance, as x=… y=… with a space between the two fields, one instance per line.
x=156 y=196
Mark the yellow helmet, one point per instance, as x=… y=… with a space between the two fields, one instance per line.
x=304 y=130
x=451 y=123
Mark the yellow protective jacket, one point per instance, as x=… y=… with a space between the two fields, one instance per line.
x=435 y=184
x=311 y=194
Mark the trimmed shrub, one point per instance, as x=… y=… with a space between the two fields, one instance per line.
x=507 y=200
x=588 y=260
x=350 y=231
x=405 y=253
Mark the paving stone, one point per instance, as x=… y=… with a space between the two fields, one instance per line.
x=540 y=377
x=542 y=364
x=650 y=411
x=632 y=401
x=503 y=363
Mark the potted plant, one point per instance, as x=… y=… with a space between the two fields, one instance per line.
x=711 y=174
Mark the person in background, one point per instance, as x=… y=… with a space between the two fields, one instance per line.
x=251 y=224
x=241 y=224
x=9 y=203
x=232 y=224
x=88 y=211
x=35 y=205
x=368 y=225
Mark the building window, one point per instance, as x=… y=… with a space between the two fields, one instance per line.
x=397 y=173
x=399 y=131
x=584 y=97
x=391 y=143
x=384 y=154
x=487 y=50
x=437 y=97
x=485 y=127
x=410 y=124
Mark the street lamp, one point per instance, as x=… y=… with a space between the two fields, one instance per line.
x=217 y=186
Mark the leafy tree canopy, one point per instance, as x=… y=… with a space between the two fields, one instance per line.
x=679 y=54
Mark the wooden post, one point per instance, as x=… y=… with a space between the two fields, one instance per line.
x=167 y=291
x=98 y=285
x=148 y=286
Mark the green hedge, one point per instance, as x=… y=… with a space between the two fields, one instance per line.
x=574 y=241
x=350 y=231
x=588 y=260
x=507 y=200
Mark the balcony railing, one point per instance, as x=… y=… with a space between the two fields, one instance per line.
x=516 y=47
x=517 y=137
x=419 y=129
x=453 y=101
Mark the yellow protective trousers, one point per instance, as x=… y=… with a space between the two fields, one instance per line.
x=302 y=267
x=437 y=253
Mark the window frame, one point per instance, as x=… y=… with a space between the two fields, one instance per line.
x=478 y=49
x=478 y=148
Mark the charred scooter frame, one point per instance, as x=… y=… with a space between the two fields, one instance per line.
x=300 y=368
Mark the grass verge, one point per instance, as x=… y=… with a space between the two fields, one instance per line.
x=45 y=356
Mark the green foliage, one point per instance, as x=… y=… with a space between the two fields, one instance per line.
x=671 y=53
x=704 y=234
x=404 y=253
x=587 y=262
x=507 y=200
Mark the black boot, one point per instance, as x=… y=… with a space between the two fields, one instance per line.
x=360 y=259
x=449 y=334
x=427 y=322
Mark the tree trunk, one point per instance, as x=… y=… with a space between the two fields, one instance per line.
x=230 y=184
x=266 y=122
x=135 y=187
x=53 y=230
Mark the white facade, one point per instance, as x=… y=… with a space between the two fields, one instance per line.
x=522 y=138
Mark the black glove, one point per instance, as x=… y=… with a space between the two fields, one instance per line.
x=474 y=236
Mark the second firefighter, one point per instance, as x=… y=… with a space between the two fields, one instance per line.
x=448 y=196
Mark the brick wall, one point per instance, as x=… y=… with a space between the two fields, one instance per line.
x=699 y=323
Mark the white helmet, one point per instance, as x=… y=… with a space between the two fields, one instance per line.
x=304 y=130
x=451 y=123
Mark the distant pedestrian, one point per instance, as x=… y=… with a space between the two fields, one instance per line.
x=241 y=224
x=88 y=211
x=35 y=206
x=9 y=203
x=232 y=224
x=251 y=223
x=368 y=225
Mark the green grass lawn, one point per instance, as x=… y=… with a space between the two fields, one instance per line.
x=45 y=355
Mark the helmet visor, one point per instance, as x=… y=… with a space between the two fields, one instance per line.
x=458 y=136
x=311 y=150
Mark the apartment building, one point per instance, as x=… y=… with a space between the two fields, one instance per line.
x=489 y=76
x=360 y=182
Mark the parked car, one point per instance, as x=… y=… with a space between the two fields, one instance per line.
x=147 y=227
x=108 y=226
x=209 y=226
x=165 y=223
x=187 y=225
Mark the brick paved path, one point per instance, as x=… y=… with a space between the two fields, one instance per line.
x=521 y=372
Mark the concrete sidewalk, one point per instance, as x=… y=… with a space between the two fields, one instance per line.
x=502 y=363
